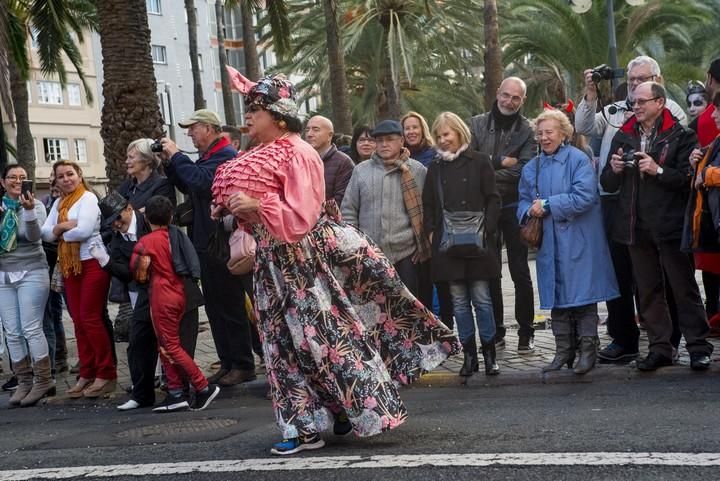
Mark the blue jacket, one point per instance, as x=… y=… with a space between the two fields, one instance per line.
x=573 y=264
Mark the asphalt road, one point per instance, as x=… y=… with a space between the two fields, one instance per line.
x=655 y=414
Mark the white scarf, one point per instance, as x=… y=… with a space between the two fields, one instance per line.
x=450 y=156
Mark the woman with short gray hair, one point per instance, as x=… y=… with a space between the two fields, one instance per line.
x=144 y=179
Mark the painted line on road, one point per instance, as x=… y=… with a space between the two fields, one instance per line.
x=369 y=462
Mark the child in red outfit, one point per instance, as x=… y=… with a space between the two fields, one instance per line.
x=154 y=261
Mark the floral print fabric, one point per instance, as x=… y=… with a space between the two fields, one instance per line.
x=340 y=331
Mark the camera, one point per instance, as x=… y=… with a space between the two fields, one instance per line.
x=156 y=146
x=603 y=72
x=630 y=159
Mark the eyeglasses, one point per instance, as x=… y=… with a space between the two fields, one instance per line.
x=640 y=102
x=15 y=178
x=696 y=103
x=640 y=80
x=507 y=96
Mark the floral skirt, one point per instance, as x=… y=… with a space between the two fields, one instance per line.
x=340 y=331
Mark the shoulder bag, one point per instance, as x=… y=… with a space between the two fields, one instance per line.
x=242 y=252
x=463 y=231
x=531 y=230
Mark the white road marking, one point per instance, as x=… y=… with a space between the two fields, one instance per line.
x=369 y=462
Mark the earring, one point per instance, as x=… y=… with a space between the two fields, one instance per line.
x=282 y=124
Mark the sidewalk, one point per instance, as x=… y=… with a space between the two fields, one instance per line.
x=514 y=368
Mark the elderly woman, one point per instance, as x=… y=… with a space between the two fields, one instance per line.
x=144 y=180
x=362 y=144
x=74 y=221
x=24 y=287
x=338 y=326
x=464 y=180
x=573 y=263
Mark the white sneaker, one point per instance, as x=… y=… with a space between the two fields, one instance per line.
x=131 y=404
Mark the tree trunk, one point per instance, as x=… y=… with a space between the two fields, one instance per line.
x=131 y=109
x=389 y=104
x=342 y=119
x=252 y=60
x=25 y=148
x=194 y=63
x=224 y=77
x=493 y=54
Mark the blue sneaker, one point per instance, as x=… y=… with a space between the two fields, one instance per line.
x=295 y=445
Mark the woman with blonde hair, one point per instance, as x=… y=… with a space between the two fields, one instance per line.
x=74 y=221
x=461 y=180
x=418 y=138
x=573 y=264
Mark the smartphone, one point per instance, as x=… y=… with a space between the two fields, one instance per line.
x=27 y=187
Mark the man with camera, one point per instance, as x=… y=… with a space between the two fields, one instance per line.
x=621 y=323
x=228 y=319
x=649 y=168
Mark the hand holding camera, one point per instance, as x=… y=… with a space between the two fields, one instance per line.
x=646 y=164
x=165 y=147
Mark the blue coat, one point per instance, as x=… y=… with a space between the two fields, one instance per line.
x=573 y=263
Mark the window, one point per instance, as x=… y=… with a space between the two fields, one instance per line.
x=33 y=38
x=55 y=149
x=159 y=54
x=50 y=93
x=74 y=95
x=197 y=19
x=81 y=150
x=154 y=7
x=200 y=62
x=29 y=89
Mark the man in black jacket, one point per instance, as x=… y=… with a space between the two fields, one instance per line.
x=507 y=137
x=649 y=164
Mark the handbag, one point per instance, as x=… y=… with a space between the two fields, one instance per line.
x=184 y=213
x=463 y=231
x=531 y=230
x=242 y=252
x=218 y=243
x=118 y=291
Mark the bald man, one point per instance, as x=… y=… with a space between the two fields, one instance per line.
x=338 y=166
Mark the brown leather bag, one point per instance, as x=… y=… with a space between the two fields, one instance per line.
x=242 y=252
x=532 y=230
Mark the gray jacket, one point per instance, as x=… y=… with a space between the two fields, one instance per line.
x=374 y=204
x=29 y=254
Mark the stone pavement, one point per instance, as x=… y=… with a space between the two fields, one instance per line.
x=514 y=368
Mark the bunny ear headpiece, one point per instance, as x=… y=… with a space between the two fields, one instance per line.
x=273 y=92
x=239 y=82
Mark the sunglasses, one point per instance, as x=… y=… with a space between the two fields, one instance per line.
x=696 y=103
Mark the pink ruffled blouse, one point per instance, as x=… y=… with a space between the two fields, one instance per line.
x=287 y=176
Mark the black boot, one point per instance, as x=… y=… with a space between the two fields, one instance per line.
x=470 y=361
x=490 y=358
x=564 y=353
x=588 y=354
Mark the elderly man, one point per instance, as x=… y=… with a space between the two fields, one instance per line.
x=649 y=168
x=621 y=323
x=384 y=200
x=507 y=137
x=228 y=319
x=338 y=166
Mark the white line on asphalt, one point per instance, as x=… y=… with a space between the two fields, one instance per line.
x=369 y=462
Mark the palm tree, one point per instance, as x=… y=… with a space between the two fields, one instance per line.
x=56 y=25
x=199 y=99
x=131 y=109
x=342 y=119
x=493 y=53
x=250 y=50
x=228 y=106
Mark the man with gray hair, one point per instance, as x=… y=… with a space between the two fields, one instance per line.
x=621 y=324
x=507 y=137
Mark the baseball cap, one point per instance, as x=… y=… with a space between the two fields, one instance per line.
x=204 y=116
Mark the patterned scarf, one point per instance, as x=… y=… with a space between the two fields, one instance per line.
x=414 y=208
x=9 y=225
x=69 y=252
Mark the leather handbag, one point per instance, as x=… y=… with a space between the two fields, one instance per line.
x=463 y=232
x=531 y=230
x=242 y=252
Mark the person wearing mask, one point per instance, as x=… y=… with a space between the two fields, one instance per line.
x=74 y=221
x=418 y=139
x=460 y=179
x=362 y=144
x=24 y=287
x=338 y=166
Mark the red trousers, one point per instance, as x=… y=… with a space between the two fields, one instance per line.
x=86 y=299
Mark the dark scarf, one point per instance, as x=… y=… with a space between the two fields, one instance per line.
x=502 y=121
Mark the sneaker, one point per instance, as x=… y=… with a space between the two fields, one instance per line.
x=202 y=399
x=11 y=384
x=342 y=425
x=171 y=403
x=699 y=361
x=616 y=353
x=526 y=344
x=500 y=344
x=295 y=445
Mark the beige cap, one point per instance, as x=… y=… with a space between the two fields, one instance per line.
x=204 y=116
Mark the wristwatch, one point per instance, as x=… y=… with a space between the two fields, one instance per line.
x=659 y=171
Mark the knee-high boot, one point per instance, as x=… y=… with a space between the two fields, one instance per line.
x=588 y=354
x=564 y=353
x=24 y=373
x=470 y=361
x=43 y=385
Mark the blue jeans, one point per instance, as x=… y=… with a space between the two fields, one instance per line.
x=52 y=323
x=22 y=308
x=469 y=295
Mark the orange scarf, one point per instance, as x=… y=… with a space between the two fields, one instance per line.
x=69 y=252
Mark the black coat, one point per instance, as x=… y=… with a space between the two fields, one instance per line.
x=138 y=194
x=659 y=201
x=468 y=184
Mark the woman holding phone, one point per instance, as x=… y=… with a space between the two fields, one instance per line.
x=24 y=287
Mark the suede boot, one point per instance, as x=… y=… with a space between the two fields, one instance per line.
x=490 y=358
x=564 y=353
x=43 y=383
x=470 y=362
x=23 y=371
x=588 y=354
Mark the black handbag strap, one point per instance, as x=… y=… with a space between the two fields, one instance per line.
x=439 y=186
x=537 y=177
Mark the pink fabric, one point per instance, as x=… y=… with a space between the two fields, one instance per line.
x=287 y=176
